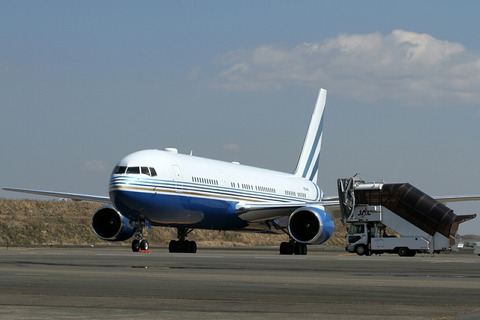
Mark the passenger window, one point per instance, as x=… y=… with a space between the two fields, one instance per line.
x=134 y=170
x=145 y=171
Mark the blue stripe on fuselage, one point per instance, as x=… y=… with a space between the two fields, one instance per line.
x=197 y=190
x=178 y=210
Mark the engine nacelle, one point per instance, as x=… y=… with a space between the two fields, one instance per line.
x=310 y=225
x=109 y=224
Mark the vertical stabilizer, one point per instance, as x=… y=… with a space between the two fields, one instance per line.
x=307 y=166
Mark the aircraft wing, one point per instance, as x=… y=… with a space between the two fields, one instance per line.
x=457 y=198
x=248 y=211
x=256 y=212
x=72 y=196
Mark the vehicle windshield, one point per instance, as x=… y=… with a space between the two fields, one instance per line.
x=356 y=228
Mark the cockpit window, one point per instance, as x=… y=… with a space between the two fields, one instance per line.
x=119 y=170
x=149 y=171
x=134 y=170
x=153 y=172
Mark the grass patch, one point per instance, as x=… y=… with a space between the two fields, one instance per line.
x=35 y=222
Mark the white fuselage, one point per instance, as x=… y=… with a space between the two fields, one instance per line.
x=200 y=192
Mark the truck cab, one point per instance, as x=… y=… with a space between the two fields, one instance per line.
x=357 y=239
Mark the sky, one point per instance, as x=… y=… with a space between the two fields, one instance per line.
x=84 y=83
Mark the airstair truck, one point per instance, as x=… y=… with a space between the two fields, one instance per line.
x=395 y=218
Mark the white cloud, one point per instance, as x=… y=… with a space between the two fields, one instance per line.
x=412 y=68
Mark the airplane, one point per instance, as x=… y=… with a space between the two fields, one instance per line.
x=167 y=189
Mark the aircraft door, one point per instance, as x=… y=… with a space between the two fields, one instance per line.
x=177 y=178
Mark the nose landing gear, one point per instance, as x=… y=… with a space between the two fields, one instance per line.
x=140 y=244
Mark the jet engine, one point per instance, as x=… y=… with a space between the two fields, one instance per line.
x=109 y=224
x=310 y=225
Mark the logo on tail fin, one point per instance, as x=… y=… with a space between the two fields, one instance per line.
x=307 y=166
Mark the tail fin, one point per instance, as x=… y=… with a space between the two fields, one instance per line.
x=307 y=166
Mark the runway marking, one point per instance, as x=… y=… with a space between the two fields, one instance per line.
x=346 y=255
x=356 y=259
x=207 y=256
x=30 y=274
x=117 y=255
x=450 y=261
x=280 y=257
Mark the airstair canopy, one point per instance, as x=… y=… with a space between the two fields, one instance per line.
x=407 y=202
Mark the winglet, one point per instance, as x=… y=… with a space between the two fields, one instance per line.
x=307 y=166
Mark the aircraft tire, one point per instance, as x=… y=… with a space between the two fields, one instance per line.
x=144 y=245
x=135 y=245
x=300 y=249
x=286 y=248
x=182 y=246
x=173 y=246
x=192 y=247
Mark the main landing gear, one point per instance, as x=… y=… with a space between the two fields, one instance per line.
x=182 y=245
x=293 y=247
x=139 y=244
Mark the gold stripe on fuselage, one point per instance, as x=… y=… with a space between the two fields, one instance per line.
x=183 y=192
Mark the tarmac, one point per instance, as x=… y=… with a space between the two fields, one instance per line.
x=237 y=283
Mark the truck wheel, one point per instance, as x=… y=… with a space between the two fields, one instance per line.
x=403 y=252
x=360 y=250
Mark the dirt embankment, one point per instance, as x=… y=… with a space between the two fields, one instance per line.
x=34 y=222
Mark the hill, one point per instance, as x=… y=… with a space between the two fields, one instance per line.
x=35 y=222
